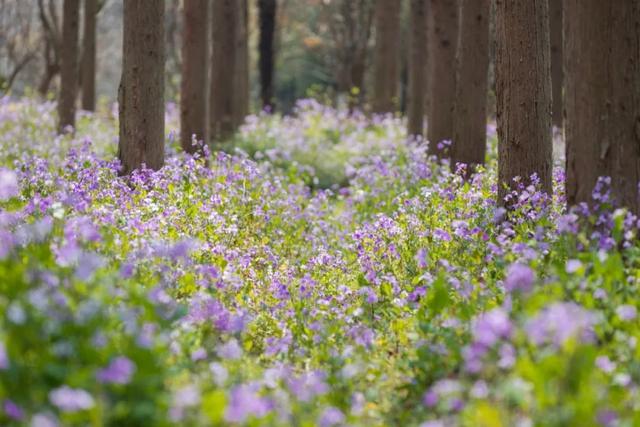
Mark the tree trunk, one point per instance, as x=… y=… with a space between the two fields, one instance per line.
x=523 y=86
x=68 y=65
x=443 y=40
x=417 y=69
x=141 y=91
x=241 y=97
x=470 y=123
x=223 y=71
x=557 y=74
x=267 y=16
x=386 y=57
x=194 y=112
x=88 y=66
x=602 y=102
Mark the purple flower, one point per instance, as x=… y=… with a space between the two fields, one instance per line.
x=430 y=398
x=244 y=401
x=559 y=322
x=44 y=420
x=520 y=277
x=308 y=385
x=199 y=354
x=605 y=364
x=119 y=371
x=626 y=312
x=330 y=417
x=421 y=258
x=69 y=399
x=491 y=327
x=573 y=265
x=8 y=184
x=12 y=410
x=230 y=350
x=607 y=418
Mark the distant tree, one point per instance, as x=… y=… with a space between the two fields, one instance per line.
x=470 y=118
x=68 y=64
x=417 y=68
x=50 y=22
x=523 y=86
x=443 y=39
x=223 y=68
x=350 y=26
x=267 y=17
x=141 y=92
x=173 y=29
x=241 y=78
x=88 y=65
x=557 y=74
x=386 y=56
x=194 y=96
x=602 y=103
x=18 y=41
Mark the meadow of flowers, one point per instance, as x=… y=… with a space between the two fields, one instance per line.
x=324 y=272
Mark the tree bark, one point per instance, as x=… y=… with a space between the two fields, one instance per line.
x=88 y=66
x=470 y=118
x=241 y=97
x=141 y=91
x=602 y=102
x=443 y=40
x=523 y=86
x=194 y=114
x=557 y=74
x=386 y=59
x=417 y=69
x=52 y=44
x=267 y=17
x=68 y=65
x=223 y=64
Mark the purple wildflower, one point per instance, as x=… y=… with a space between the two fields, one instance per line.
x=12 y=410
x=331 y=416
x=69 y=399
x=559 y=322
x=8 y=184
x=626 y=312
x=244 y=401
x=230 y=350
x=119 y=371
x=520 y=278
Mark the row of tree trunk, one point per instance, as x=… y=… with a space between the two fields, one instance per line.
x=448 y=79
x=64 y=53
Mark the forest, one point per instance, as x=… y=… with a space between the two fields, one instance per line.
x=319 y=213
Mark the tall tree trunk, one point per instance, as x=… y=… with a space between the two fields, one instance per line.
x=417 y=69
x=241 y=97
x=141 y=91
x=386 y=59
x=557 y=74
x=68 y=64
x=194 y=111
x=470 y=118
x=602 y=64
x=223 y=64
x=267 y=17
x=523 y=86
x=443 y=40
x=88 y=66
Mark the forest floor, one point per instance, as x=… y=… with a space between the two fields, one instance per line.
x=324 y=271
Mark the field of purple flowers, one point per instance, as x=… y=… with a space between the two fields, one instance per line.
x=323 y=272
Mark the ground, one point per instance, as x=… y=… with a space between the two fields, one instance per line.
x=321 y=271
